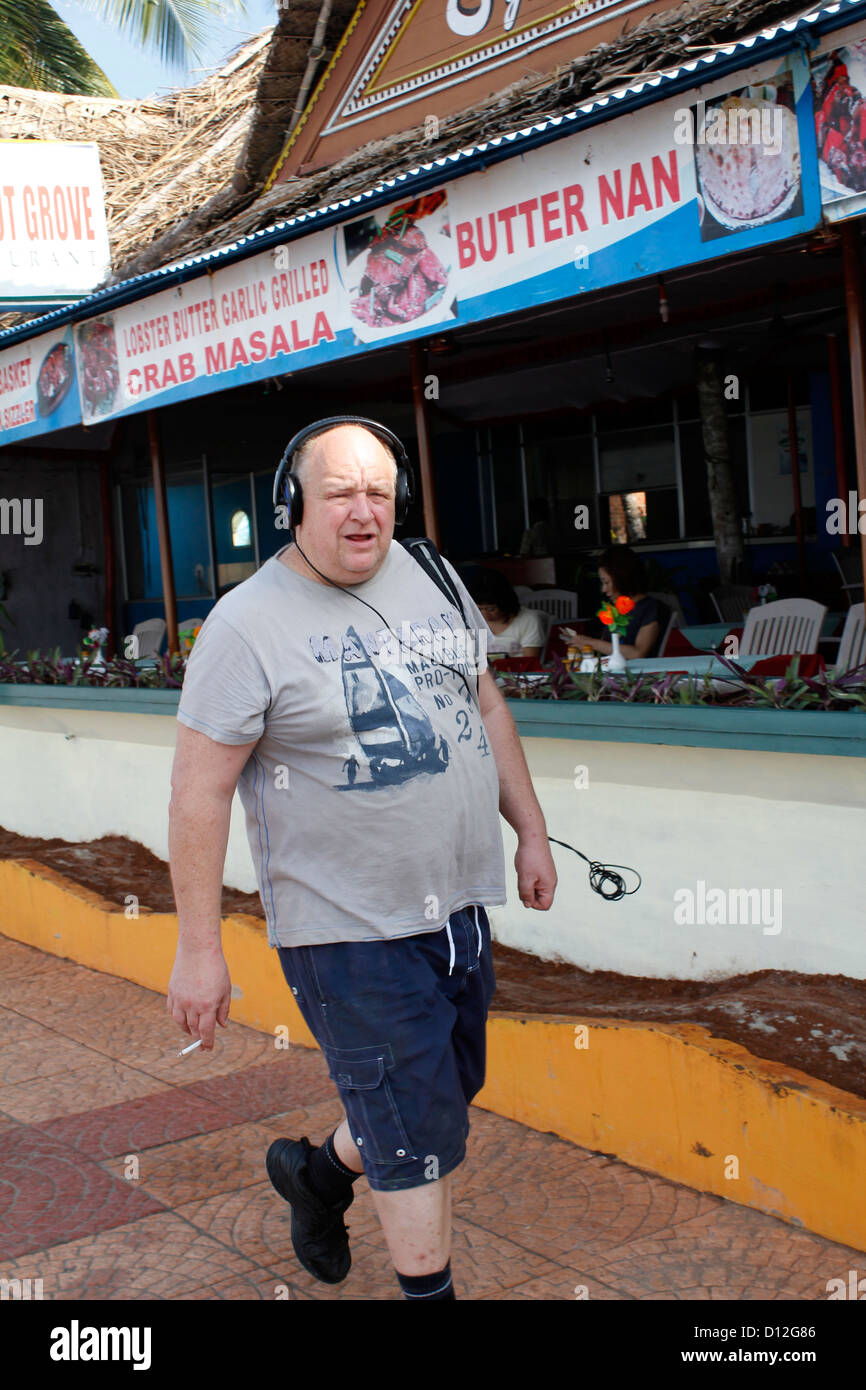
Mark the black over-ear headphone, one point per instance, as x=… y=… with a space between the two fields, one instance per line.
x=287 y=485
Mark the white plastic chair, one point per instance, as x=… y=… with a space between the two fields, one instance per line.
x=732 y=602
x=852 y=645
x=561 y=604
x=789 y=625
x=850 y=567
x=673 y=621
x=150 y=634
x=670 y=601
x=523 y=593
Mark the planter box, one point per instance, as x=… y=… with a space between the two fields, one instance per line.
x=838 y=732
x=121 y=701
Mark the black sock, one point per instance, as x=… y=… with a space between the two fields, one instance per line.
x=328 y=1174
x=427 y=1287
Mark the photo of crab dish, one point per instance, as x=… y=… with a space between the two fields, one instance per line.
x=396 y=273
x=840 y=121
x=98 y=366
x=56 y=376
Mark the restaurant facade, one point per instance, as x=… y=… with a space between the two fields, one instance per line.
x=527 y=312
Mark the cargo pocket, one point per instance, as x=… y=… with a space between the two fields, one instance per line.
x=361 y=1075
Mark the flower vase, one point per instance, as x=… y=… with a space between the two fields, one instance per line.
x=617 y=661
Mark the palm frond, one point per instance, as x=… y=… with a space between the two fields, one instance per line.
x=178 y=30
x=39 y=51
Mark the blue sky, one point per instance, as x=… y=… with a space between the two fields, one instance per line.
x=140 y=74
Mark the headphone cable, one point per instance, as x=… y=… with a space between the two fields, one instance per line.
x=600 y=874
x=424 y=656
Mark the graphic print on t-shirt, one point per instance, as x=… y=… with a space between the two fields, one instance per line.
x=396 y=736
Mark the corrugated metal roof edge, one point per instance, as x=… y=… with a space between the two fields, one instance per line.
x=729 y=58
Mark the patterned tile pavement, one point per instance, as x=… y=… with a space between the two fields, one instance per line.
x=129 y=1173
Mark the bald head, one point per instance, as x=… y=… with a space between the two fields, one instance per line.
x=334 y=442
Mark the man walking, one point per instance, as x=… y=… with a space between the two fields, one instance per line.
x=341 y=655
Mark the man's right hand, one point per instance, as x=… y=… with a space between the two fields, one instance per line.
x=199 y=992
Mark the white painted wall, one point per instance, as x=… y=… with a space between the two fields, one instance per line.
x=81 y=774
x=734 y=819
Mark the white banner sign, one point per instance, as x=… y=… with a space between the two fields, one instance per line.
x=53 y=234
x=725 y=168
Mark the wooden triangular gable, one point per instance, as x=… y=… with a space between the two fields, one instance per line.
x=407 y=63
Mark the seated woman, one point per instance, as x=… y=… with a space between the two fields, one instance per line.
x=621 y=572
x=514 y=631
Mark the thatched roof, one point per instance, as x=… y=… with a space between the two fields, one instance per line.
x=199 y=150
x=204 y=180
x=659 y=41
x=158 y=154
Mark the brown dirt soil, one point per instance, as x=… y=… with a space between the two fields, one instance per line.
x=816 y=1023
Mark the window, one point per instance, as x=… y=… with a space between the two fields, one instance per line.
x=637 y=459
x=652 y=470
x=560 y=474
x=772 y=486
x=505 y=447
x=241 y=534
x=235 y=553
x=627 y=517
x=638 y=474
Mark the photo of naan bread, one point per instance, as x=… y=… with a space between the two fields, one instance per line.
x=754 y=175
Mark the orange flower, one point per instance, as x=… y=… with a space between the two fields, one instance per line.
x=624 y=604
x=606 y=616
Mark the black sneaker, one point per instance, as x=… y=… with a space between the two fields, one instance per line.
x=319 y=1233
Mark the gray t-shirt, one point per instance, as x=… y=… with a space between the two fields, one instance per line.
x=372 y=796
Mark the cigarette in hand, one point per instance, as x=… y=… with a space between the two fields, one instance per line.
x=192 y=1047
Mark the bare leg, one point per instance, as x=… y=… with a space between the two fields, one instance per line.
x=417 y=1222
x=417 y=1226
x=346 y=1151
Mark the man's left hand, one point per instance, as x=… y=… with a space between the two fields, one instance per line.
x=536 y=874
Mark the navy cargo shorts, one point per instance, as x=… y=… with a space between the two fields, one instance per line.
x=401 y=1024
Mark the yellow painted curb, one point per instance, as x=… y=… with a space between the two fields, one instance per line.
x=42 y=908
x=671 y=1099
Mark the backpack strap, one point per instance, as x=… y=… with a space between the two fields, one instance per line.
x=422 y=549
